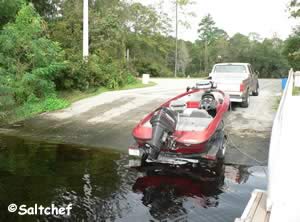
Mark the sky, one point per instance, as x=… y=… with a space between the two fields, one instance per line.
x=264 y=17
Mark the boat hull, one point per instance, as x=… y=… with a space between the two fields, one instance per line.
x=206 y=154
x=190 y=146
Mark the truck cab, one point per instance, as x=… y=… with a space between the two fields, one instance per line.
x=238 y=80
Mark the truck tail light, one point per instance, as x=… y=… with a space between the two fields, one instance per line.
x=242 y=87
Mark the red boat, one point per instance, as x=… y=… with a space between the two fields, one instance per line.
x=187 y=129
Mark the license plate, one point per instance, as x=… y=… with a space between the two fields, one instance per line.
x=134 y=163
x=134 y=152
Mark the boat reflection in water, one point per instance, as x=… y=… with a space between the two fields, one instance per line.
x=165 y=189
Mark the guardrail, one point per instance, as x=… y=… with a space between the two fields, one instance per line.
x=283 y=194
x=275 y=142
x=283 y=167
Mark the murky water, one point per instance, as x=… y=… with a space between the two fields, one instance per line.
x=101 y=187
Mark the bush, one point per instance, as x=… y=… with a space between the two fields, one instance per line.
x=153 y=68
x=28 y=59
x=130 y=80
x=96 y=72
x=199 y=75
x=36 y=106
x=6 y=98
x=74 y=76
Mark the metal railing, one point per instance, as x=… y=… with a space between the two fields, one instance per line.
x=276 y=140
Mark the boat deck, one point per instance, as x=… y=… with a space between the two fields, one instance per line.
x=255 y=210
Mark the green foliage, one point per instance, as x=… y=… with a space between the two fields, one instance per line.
x=9 y=9
x=105 y=66
x=130 y=80
x=294 y=8
x=183 y=58
x=265 y=55
x=296 y=91
x=292 y=51
x=47 y=8
x=208 y=32
x=35 y=106
x=107 y=34
x=151 y=54
x=98 y=71
x=145 y=20
x=292 y=44
x=154 y=68
x=6 y=97
x=209 y=35
x=39 y=58
x=29 y=61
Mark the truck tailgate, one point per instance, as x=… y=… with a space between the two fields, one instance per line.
x=228 y=85
x=229 y=82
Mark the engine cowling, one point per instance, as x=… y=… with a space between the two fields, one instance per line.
x=163 y=125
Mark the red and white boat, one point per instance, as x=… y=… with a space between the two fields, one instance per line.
x=187 y=129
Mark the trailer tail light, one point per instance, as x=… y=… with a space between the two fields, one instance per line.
x=242 y=87
x=210 y=157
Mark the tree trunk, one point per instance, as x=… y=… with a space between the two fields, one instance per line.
x=206 y=57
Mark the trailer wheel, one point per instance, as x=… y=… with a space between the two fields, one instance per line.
x=222 y=150
x=219 y=167
x=143 y=159
x=256 y=92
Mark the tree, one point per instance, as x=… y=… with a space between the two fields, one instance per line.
x=208 y=33
x=181 y=4
x=9 y=10
x=145 y=20
x=292 y=44
x=48 y=9
x=255 y=37
x=292 y=51
x=29 y=60
x=239 y=48
x=6 y=96
x=67 y=29
x=183 y=58
x=146 y=40
x=294 y=8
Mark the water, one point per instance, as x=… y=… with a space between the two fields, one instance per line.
x=101 y=187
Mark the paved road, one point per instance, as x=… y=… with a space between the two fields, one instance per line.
x=107 y=120
x=249 y=129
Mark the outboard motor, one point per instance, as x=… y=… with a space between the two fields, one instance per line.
x=163 y=124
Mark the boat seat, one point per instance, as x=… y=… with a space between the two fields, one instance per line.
x=193 y=120
x=198 y=113
x=192 y=123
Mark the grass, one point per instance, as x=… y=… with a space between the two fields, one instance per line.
x=63 y=100
x=277 y=102
x=75 y=95
x=28 y=110
x=296 y=91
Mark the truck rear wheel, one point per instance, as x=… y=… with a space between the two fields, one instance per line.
x=246 y=102
x=256 y=92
